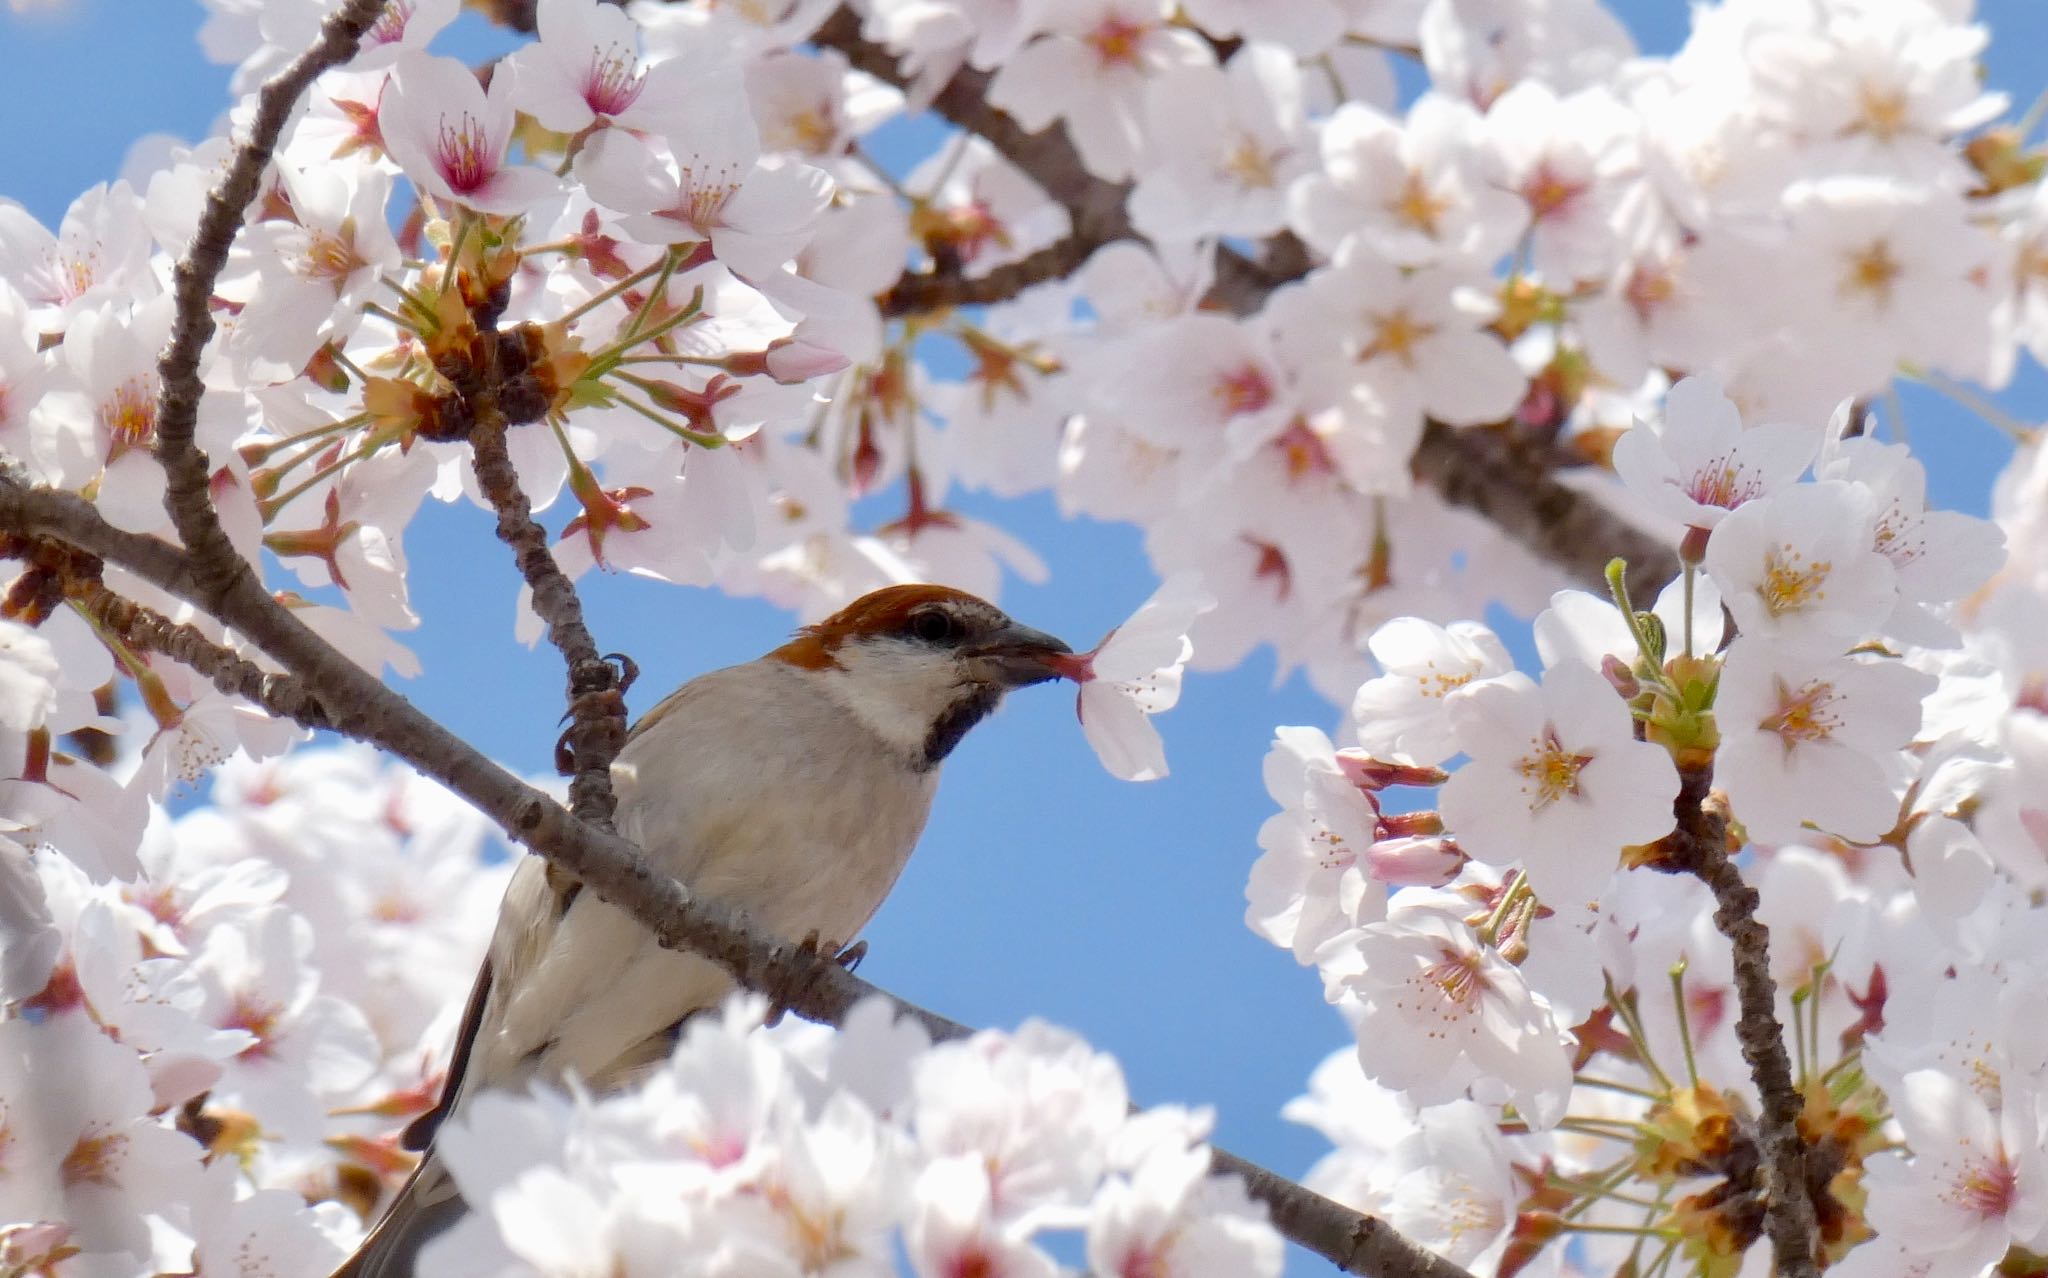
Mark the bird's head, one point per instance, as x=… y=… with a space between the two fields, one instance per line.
x=920 y=665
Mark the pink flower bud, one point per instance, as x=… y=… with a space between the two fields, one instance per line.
x=792 y=360
x=1616 y=672
x=1420 y=861
x=1368 y=773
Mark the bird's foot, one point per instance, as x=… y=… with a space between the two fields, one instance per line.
x=811 y=949
x=597 y=714
x=850 y=957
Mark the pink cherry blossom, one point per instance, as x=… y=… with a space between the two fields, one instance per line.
x=451 y=136
x=1134 y=673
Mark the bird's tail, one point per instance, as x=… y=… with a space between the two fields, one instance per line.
x=426 y=1205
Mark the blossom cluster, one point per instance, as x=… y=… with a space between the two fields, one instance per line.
x=1531 y=968
x=814 y=1152
x=205 y=1057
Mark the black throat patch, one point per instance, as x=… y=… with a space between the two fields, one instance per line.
x=974 y=705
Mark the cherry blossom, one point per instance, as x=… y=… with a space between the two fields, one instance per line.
x=1404 y=713
x=1973 y=1185
x=1435 y=1009
x=708 y=185
x=1582 y=786
x=1089 y=68
x=1804 y=741
x=1801 y=567
x=1699 y=462
x=1414 y=190
x=450 y=135
x=585 y=70
x=1134 y=673
x=1227 y=142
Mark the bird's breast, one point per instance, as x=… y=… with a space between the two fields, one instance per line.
x=758 y=792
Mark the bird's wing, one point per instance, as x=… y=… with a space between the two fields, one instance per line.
x=731 y=786
x=419 y=1133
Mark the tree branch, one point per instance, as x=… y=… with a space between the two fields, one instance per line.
x=214 y=558
x=1700 y=847
x=921 y=294
x=597 y=706
x=146 y=630
x=791 y=974
x=1489 y=472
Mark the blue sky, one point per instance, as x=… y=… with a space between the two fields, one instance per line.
x=1042 y=887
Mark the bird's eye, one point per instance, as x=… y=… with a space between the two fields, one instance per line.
x=934 y=625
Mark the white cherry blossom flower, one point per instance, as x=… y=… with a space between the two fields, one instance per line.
x=99 y=254
x=1171 y=1218
x=586 y=70
x=1557 y=781
x=304 y=281
x=82 y=1146
x=1089 y=67
x=1412 y=340
x=1436 y=1009
x=1206 y=387
x=1977 y=1179
x=1800 y=566
x=704 y=184
x=1891 y=272
x=1698 y=462
x=1570 y=157
x=1134 y=673
x=1940 y=556
x=1415 y=190
x=1326 y=858
x=990 y=1096
x=1454 y=1185
x=1224 y=145
x=953 y=1230
x=1806 y=741
x=1403 y=713
x=29 y=940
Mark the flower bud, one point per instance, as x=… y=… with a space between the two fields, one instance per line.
x=1368 y=773
x=1416 y=861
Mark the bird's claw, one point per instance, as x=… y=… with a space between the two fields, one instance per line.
x=850 y=957
x=629 y=670
x=601 y=709
x=811 y=949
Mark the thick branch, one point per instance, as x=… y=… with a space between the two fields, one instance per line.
x=1700 y=848
x=791 y=974
x=921 y=294
x=218 y=565
x=1487 y=471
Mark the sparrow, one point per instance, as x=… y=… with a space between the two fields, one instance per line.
x=791 y=788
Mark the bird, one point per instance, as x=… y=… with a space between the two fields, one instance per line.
x=791 y=788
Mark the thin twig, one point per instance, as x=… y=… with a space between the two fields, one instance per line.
x=800 y=978
x=597 y=708
x=1700 y=847
x=214 y=558
x=147 y=630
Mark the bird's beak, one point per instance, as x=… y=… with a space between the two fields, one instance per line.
x=1022 y=656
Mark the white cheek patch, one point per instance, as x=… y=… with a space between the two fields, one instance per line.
x=897 y=689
